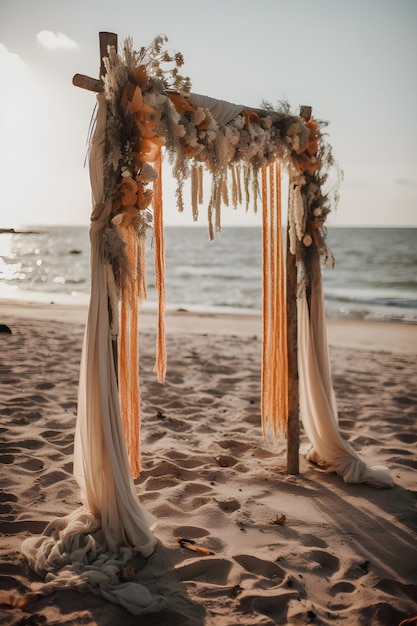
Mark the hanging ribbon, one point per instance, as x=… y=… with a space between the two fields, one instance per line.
x=274 y=391
x=161 y=356
x=128 y=353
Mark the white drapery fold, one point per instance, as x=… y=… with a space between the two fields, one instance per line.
x=318 y=408
x=222 y=111
x=101 y=465
x=88 y=548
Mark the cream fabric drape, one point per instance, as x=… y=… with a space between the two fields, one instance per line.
x=222 y=111
x=88 y=548
x=317 y=400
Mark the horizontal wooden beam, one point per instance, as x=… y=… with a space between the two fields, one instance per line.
x=86 y=82
x=96 y=84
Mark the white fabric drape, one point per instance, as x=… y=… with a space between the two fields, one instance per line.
x=222 y=111
x=88 y=548
x=317 y=401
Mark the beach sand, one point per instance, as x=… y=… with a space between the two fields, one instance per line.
x=288 y=550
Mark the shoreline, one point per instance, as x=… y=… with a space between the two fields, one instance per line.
x=355 y=334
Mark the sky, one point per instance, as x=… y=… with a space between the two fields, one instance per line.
x=353 y=61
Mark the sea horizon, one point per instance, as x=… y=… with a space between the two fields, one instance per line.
x=374 y=276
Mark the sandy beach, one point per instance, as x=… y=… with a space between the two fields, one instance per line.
x=288 y=550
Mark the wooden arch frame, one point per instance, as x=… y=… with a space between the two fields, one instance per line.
x=108 y=40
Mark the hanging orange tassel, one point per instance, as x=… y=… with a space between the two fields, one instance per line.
x=128 y=353
x=161 y=357
x=274 y=391
x=133 y=291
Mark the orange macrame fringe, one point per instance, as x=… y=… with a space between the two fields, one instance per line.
x=161 y=356
x=274 y=391
x=134 y=291
x=128 y=353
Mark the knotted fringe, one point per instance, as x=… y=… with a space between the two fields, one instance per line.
x=161 y=356
x=274 y=391
x=133 y=292
x=128 y=353
x=196 y=189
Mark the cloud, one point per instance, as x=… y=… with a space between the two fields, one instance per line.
x=10 y=60
x=55 y=41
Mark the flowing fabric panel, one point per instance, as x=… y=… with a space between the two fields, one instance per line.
x=317 y=400
x=101 y=466
x=88 y=548
x=222 y=111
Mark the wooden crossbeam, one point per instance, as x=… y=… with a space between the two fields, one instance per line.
x=106 y=40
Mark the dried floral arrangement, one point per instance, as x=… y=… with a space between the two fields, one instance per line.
x=150 y=106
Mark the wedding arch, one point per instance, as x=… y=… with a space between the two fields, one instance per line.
x=146 y=108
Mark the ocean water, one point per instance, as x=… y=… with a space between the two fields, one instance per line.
x=375 y=276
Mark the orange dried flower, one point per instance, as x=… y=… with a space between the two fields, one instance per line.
x=149 y=149
x=146 y=120
x=181 y=104
x=128 y=192
x=136 y=102
x=140 y=77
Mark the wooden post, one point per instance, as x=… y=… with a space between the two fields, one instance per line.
x=293 y=432
x=94 y=84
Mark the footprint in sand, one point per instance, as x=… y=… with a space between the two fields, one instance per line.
x=206 y=569
x=6 y=500
x=183 y=461
x=312 y=541
x=327 y=564
x=228 y=506
x=397 y=589
x=57 y=437
x=190 y=532
x=342 y=586
x=398 y=451
x=404 y=400
x=274 y=605
x=45 y=385
x=235 y=446
x=7 y=459
x=407 y=462
x=33 y=465
x=32 y=444
x=157 y=483
x=261 y=567
x=166 y=468
x=317 y=561
x=225 y=460
x=405 y=437
x=50 y=479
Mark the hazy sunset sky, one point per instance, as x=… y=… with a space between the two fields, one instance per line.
x=353 y=61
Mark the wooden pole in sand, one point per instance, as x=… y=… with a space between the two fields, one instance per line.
x=293 y=428
x=293 y=432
